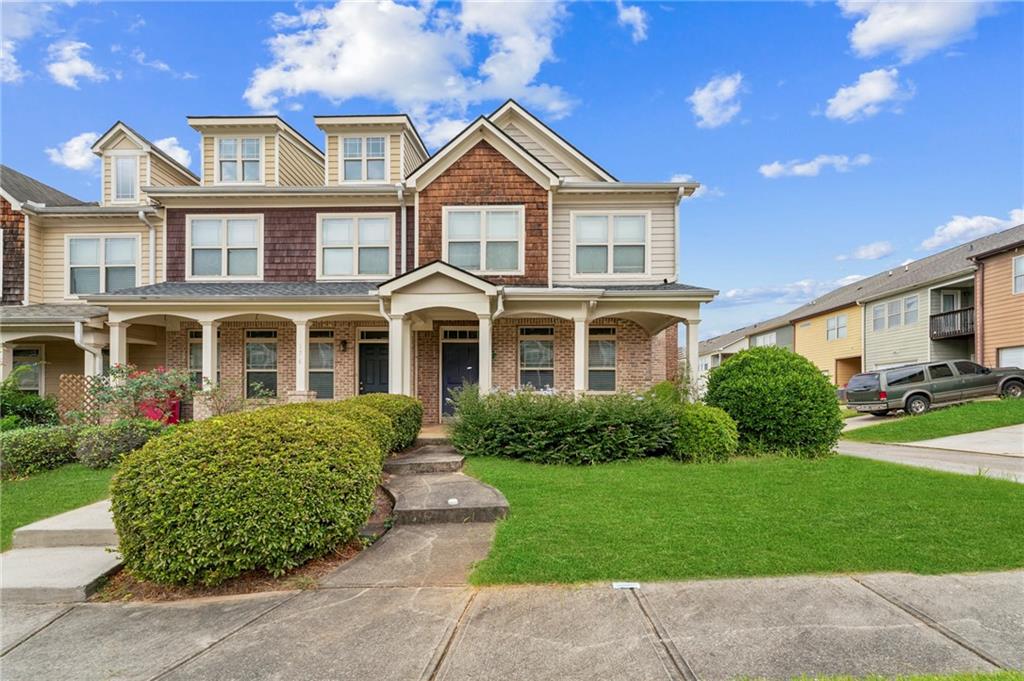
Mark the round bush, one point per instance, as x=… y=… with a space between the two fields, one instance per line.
x=267 y=489
x=705 y=434
x=102 y=446
x=406 y=414
x=780 y=401
x=30 y=450
x=378 y=423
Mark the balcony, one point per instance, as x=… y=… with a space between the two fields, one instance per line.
x=952 y=324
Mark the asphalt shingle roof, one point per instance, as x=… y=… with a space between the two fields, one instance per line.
x=245 y=289
x=49 y=313
x=25 y=188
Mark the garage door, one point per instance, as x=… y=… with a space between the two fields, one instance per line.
x=1012 y=357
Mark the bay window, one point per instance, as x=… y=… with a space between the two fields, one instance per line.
x=485 y=238
x=610 y=243
x=351 y=245
x=321 y=363
x=537 y=357
x=364 y=159
x=260 y=363
x=239 y=159
x=228 y=246
x=101 y=263
x=601 y=360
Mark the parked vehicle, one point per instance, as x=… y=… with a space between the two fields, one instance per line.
x=914 y=388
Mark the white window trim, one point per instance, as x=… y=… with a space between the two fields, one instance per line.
x=610 y=243
x=239 y=137
x=917 y=303
x=334 y=360
x=114 y=155
x=223 y=217
x=364 y=159
x=535 y=337
x=845 y=326
x=615 y=337
x=245 y=361
x=320 y=217
x=68 y=295
x=42 y=361
x=482 y=209
x=884 y=317
x=1013 y=274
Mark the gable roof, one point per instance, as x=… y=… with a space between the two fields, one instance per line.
x=197 y=122
x=124 y=128
x=436 y=268
x=19 y=188
x=374 y=119
x=720 y=342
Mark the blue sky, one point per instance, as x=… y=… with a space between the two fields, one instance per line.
x=833 y=140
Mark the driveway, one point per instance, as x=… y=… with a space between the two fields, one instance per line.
x=1008 y=441
x=950 y=461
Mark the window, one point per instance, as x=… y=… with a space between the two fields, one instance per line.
x=31 y=379
x=195 y=357
x=969 y=368
x=321 y=363
x=766 y=339
x=238 y=159
x=260 y=363
x=878 y=317
x=905 y=376
x=461 y=334
x=354 y=245
x=835 y=327
x=101 y=264
x=126 y=178
x=484 y=238
x=370 y=335
x=895 y=312
x=363 y=158
x=537 y=357
x=225 y=247
x=610 y=243
x=1018 y=274
x=940 y=371
x=909 y=310
x=601 y=367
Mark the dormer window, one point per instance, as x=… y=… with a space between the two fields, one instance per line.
x=364 y=159
x=238 y=159
x=126 y=179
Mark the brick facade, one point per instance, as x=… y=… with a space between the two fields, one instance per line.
x=482 y=176
x=13 y=224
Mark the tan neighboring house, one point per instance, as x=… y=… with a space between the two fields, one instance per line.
x=507 y=258
x=999 y=301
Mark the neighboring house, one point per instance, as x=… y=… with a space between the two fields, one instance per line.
x=777 y=332
x=716 y=350
x=999 y=304
x=507 y=258
x=827 y=331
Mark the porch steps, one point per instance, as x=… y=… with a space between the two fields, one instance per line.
x=427 y=440
x=90 y=525
x=429 y=458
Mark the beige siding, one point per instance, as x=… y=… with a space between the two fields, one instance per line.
x=298 y=167
x=1002 y=310
x=59 y=357
x=905 y=344
x=811 y=341
x=150 y=354
x=270 y=159
x=541 y=152
x=395 y=157
x=208 y=174
x=35 y=241
x=166 y=175
x=332 y=153
x=413 y=158
x=108 y=182
x=663 y=234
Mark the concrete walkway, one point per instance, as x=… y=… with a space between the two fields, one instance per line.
x=1008 y=441
x=966 y=463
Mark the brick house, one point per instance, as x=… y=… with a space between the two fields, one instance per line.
x=507 y=258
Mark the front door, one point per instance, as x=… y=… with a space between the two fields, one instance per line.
x=459 y=365
x=373 y=368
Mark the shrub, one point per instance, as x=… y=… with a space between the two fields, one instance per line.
x=780 y=401
x=666 y=391
x=266 y=489
x=552 y=428
x=30 y=450
x=378 y=423
x=10 y=422
x=129 y=393
x=406 y=414
x=101 y=446
x=29 y=408
x=704 y=434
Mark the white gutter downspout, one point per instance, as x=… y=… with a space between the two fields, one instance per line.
x=97 y=355
x=152 y=246
x=401 y=199
x=26 y=251
x=500 y=310
x=551 y=221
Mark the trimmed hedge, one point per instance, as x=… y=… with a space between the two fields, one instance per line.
x=376 y=421
x=267 y=489
x=31 y=450
x=704 y=434
x=102 y=446
x=406 y=414
x=780 y=401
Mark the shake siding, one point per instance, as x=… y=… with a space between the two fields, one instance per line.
x=903 y=344
x=298 y=168
x=52 y=242
x=13 y=224
x=810 y=339
x=542 y=154
x=1002 y=310
x=663 y=234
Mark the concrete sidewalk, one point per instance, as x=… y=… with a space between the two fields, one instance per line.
x=949 y=461
x=777 y=628
x=1008 y=441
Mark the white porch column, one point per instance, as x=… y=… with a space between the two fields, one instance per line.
x=209 y=353
x=692 y=355
x=301 y=356
x=485 y=359
x=396 y=353
x=118 y=342
x=407 y=350
x=579 y=355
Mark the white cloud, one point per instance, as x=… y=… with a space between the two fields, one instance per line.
x=792 y=293
x=420 y=58
x=436 y=132
x=962 y=228
x=140 y=57
x=866 y=97
x=10 y=70
x=137 y=24
x=717 y=103
x=67 y=64
x=20 y=21
x=872 y=251
x=840 y=162
x=173 y=149
x=634 y=18
x=76 y=153
x=911 y=29
x=703 y=191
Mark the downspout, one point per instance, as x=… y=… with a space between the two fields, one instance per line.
x=979 y=326
x=500 y=310
x=402 y=231
x=152 y=246
x=97 y=356
x=551 y=221
x=26 y=253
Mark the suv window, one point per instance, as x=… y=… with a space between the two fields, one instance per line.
x=905 y=376
x=969 y=368
x=940 y=371
x=863 y=382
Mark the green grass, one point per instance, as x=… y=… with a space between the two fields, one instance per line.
x=963 y=676
x=49 y=493
x=954 y=420
x=848 y=413
x=662 y=520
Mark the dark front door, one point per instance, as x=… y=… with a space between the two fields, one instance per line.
x=458 y=365
x=373 y=368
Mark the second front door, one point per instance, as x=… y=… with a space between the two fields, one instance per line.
x=459 y=365
x=373 y=368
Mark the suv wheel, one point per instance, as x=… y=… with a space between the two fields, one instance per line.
x=1013 y=389
x=917 y=405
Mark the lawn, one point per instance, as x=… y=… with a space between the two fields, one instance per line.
x=954 y=420
x=661 y=520
x=48 y=493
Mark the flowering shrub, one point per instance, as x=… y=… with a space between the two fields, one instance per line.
x=127 y=393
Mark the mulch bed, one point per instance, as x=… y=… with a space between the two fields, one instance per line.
x=123 y=587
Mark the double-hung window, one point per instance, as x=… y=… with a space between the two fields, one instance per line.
x=895 y=310
x=238 y=159
x=909 y=310
x=195 y=358
x=225 y=247
x=766 y=340
x=321 y=363
x=126 y=179
x=30 y=379
x=601 y=360
x=260 y=363
x=537 y=357
x=610 y=243
x=485 y=238
x=878 y=317
x=835 y=327
x=364 y=159
x=1018 y=274
x=101 y=264
x=354 y=245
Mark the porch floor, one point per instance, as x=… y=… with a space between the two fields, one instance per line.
x=433 y=431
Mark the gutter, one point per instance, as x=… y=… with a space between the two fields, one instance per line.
x=152 y=245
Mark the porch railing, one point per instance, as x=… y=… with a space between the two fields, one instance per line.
x=953 y=324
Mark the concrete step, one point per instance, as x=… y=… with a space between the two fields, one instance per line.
x=425 y=459
x=64 y=574
x=90 y=525
x=425 y=440
x=425 y=498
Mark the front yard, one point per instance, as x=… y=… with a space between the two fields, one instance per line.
x=955 y=420
x=660 y=520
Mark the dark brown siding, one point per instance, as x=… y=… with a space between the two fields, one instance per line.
x=13 y=224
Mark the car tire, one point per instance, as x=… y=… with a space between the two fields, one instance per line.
x=879 y=413
x=917 y=405
x=1013 y=389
